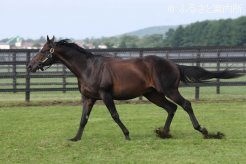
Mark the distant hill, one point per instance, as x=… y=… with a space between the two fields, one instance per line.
x=151 y=31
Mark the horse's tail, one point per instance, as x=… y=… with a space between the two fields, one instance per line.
x=195 y=74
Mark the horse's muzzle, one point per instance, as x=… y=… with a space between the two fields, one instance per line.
x=29 y=68
x=34 y=68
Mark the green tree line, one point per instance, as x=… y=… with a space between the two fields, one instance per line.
x=228 y=32
x=209 y=33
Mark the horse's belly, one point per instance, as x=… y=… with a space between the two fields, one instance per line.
x=125 y=95
x=132 y=81
x=130 y=91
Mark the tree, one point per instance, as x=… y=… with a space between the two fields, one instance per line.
x=209 y=33
x=151 y=41
x=127 y=41
x=177 y=37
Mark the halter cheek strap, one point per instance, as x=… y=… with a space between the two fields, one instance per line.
x=49 y=55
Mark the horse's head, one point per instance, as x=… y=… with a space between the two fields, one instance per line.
x=44 y=57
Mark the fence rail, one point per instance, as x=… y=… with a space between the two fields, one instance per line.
x=14 y=76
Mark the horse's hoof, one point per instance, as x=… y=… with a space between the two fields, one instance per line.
x=74 y=139
x=127 y=138
x=204 y=131
x=163 y=133
x=218 y=135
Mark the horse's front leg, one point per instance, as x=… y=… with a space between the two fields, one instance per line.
x=87 y=107
x=108 y=101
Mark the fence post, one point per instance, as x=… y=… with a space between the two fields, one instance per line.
x=64 y=81
x=218 y=69
x=141 y=55
x=197 y=88
x=244 y=63
x=167 y=54
x=9 y=65
x=14 y=72
x=27 y=90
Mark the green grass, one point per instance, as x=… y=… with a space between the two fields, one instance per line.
x=38 y=135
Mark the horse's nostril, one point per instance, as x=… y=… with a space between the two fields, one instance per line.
x=29 y=67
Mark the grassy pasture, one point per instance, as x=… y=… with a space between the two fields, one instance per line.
x=36 y=134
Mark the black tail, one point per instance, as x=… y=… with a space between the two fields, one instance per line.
x=195 y=74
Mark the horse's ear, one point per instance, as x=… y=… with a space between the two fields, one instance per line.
x=53 y=39
x=48 y=39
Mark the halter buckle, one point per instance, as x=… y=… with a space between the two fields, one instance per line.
x=52 y=50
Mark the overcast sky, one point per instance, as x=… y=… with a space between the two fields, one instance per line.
x=96 y=18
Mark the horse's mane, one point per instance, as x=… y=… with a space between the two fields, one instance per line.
x=68 y=43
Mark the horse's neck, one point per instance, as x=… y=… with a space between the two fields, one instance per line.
x=74 y=62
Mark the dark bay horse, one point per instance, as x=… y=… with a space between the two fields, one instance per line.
x=108 y=79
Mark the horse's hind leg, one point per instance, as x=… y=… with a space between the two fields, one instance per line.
x=186 y=105
x=160 y=100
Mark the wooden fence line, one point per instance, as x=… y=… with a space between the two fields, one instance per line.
x=13 y=65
